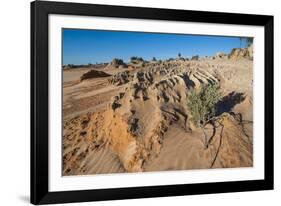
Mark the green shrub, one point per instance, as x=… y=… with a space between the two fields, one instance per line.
x=202 y=105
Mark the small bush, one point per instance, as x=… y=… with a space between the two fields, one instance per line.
x=202 y=105
x=117 y=62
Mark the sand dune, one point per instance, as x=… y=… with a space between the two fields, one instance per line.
x=136 y=119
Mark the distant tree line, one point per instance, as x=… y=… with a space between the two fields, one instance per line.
x=89 y=65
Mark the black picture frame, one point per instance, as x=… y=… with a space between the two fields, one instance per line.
x=39 y=102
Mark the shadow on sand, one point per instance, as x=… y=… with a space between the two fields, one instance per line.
x=228 y=102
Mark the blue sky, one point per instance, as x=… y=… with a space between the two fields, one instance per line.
x=91 y=46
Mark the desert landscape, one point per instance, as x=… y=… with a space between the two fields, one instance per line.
x=138 y=116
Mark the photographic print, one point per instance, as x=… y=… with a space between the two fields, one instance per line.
x=151 y=102
x=135 y=102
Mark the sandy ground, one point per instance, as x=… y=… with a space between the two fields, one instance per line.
x=86 y=96
x=137 y=120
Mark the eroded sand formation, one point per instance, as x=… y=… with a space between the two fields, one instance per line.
x=136 y=119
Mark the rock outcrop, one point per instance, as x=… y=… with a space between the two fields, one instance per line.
x=242 y=53
x=94 y=74
x=121 y=78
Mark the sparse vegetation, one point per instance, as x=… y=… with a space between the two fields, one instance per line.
x=75 y=66
x=136 y=59
x=202 y=106
x=196 y=57
x=117 y=62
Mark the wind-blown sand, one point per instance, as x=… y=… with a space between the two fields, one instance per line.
x=135 y=118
